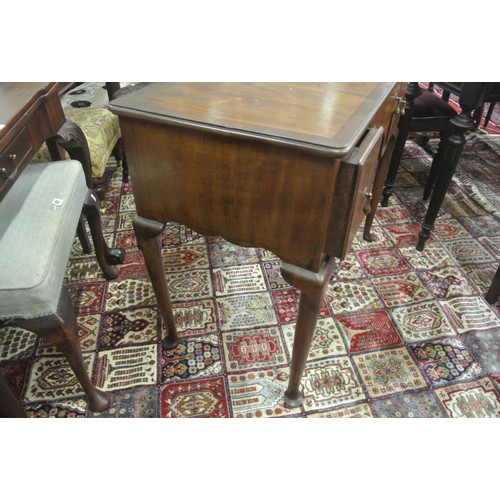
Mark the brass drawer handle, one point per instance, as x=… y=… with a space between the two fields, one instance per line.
x=400 y=106
x=367 y=208
x=12 y=160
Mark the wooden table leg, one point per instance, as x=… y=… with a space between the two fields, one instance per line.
x=312 y=287
x=147 y=232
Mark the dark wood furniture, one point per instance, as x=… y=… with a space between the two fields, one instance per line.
x=31 y=114
x=287 y=167
x=472 y=95
x=494 y=290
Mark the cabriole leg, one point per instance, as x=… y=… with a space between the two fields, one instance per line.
x=147 y=232
x=60 y=330
x=312 y=287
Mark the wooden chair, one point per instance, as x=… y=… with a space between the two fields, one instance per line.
x=102 y=132
x=425 y=111
x=38 y=220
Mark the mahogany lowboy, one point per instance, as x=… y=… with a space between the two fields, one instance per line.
x=286 y=167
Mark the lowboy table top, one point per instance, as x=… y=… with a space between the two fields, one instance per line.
x=324 y=117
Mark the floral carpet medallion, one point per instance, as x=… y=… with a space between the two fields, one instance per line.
x=52 y=378
x=194 y=318
x=447 y=361
x=389 y=371
x=331 y=383
x=16 y=343
x=400 y=334
x=327 y=340
x=200 y=399
x=423 y=404
x=185 y=257
x=259 y=348
x=468 y=252
x=383 y=262
x=352 y=296
x=485 y=347
x=449 y=229
x=423 y=321
x=135 y=403
x=191 y=357
x=471 y=399
x=287 y=304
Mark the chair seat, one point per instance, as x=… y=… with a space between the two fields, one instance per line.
x=102 y=131
x=38 y=218
x=429 y=105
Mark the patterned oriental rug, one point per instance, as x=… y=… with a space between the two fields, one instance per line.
x=401 y=333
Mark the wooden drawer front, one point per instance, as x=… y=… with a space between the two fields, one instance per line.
x=352 y=198
x=389 y=113
x=13 y=159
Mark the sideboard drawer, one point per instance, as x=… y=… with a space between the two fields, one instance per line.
x=14 y=158
x=389 y=114
x=352 y=198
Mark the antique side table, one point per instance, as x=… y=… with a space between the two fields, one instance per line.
x=286 y=167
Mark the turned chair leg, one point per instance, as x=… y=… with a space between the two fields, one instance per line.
x=60 y=330
x=431 y=181
x=119 y=154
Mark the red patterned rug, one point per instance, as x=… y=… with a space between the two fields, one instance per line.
x=401 y=333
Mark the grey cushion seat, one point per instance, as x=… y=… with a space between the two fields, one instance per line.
x=38 y=220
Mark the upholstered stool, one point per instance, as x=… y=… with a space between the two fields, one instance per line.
x=38 y=221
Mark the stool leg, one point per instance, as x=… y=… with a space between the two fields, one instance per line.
x=9 y=405
x=106 y=256
x=60 y=330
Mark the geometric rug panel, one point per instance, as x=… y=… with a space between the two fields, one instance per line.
x=476 y=399
x=422 y=404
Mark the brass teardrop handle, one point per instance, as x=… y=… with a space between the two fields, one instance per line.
x=12 y=160
x=367 y=208
x=400 y=106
